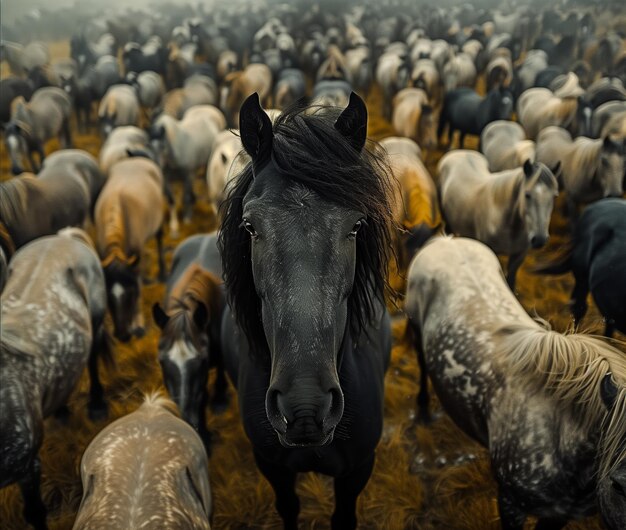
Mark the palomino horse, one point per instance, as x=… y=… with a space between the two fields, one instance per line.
x=413 y=117
x=227 y=160
x=237 y=86
x=304 y=243
x=596 y=257
x=549 y=407
x=592 y=169
x=53 y=308
x=190 y=324
x=60 y=196
x=128 y=212
x=416 y=206
x=32 y=124
x=185 y=145
x=538 y=108
x=464 y=110
x=119 y=107
x=147 y=469
x=509 y=210
x=505 y=146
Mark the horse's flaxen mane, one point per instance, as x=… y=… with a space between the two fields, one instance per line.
x=571 y=367
x=585 y=156
x=114 y=235
x=159 y=400
x=14 y=198
x=198 y=285
x=308 y=150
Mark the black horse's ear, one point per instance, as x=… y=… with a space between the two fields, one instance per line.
x=528 y=168
x=200 y=316
x=352 y=122
x=160 y=317
x=255 y=128
x=608 y=391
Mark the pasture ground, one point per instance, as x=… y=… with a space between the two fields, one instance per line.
x=425 y=477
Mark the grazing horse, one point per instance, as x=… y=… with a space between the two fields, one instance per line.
x=237 y=86
x=596 y=257
x=53 y=308
x=592 y=169
x=119 y=106
x=538 y=108
x=416 y=207
x=128 y=212
x=413 y=117
x=190 y=325
x=304 y=243
x=509 y=210
x=185 y=146
x=32 y=124
x=60 y=197
x=549 y=407
x=505 y=146
x=146 y=470
x=464 y=110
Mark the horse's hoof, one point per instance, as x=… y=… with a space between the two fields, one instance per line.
x=139 y=332
x=97 y=411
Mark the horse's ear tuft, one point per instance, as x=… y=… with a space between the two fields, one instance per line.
x=160 y=317
x=255 y=129
x=352 y=122
x=200 y=316
x=528 y=168
x=608 y=391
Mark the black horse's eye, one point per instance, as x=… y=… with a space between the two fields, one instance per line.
x=250 y=229
x=357 y=226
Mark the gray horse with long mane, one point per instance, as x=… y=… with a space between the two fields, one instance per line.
x=549 y=407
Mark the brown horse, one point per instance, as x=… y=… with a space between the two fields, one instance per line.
x=128 y=212
x=146 y=470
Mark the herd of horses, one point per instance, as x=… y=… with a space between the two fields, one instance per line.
x=288 y=300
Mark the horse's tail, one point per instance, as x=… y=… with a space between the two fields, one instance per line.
x=562 y=264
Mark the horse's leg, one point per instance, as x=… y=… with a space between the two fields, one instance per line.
x=219 y=402
x=423 y=398
x=67 y=134
x=189 y=198
x=159 y=242
x=34 y=509
x=578 y=300
x=550 y=523
x=171 y=202
x=347 y=490
x=515 y=261
x=283 y=482
x=97 y=407
x=511 y=517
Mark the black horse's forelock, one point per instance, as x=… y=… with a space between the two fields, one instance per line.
x=308 y=150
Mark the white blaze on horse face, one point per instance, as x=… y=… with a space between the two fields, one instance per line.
x=179 y=354
x=117 y=291
x=13 y=143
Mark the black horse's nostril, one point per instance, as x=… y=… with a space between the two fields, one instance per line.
x=276 y=410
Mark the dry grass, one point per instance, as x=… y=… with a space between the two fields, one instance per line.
x=427 y=478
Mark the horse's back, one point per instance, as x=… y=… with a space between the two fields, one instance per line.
x=131 y=484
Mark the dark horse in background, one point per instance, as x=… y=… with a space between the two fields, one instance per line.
x=597 y=258
x=304 y=245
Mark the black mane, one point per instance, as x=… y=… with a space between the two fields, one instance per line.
x=308 y=150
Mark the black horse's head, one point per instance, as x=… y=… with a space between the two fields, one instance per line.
x=304 y=245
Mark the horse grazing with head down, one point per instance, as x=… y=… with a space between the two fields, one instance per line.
x=509 y=210
x=549 y=407
x=304 y=241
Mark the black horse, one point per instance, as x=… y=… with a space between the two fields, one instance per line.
x=464 y=110
x=597 y=258
x=304 y=242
